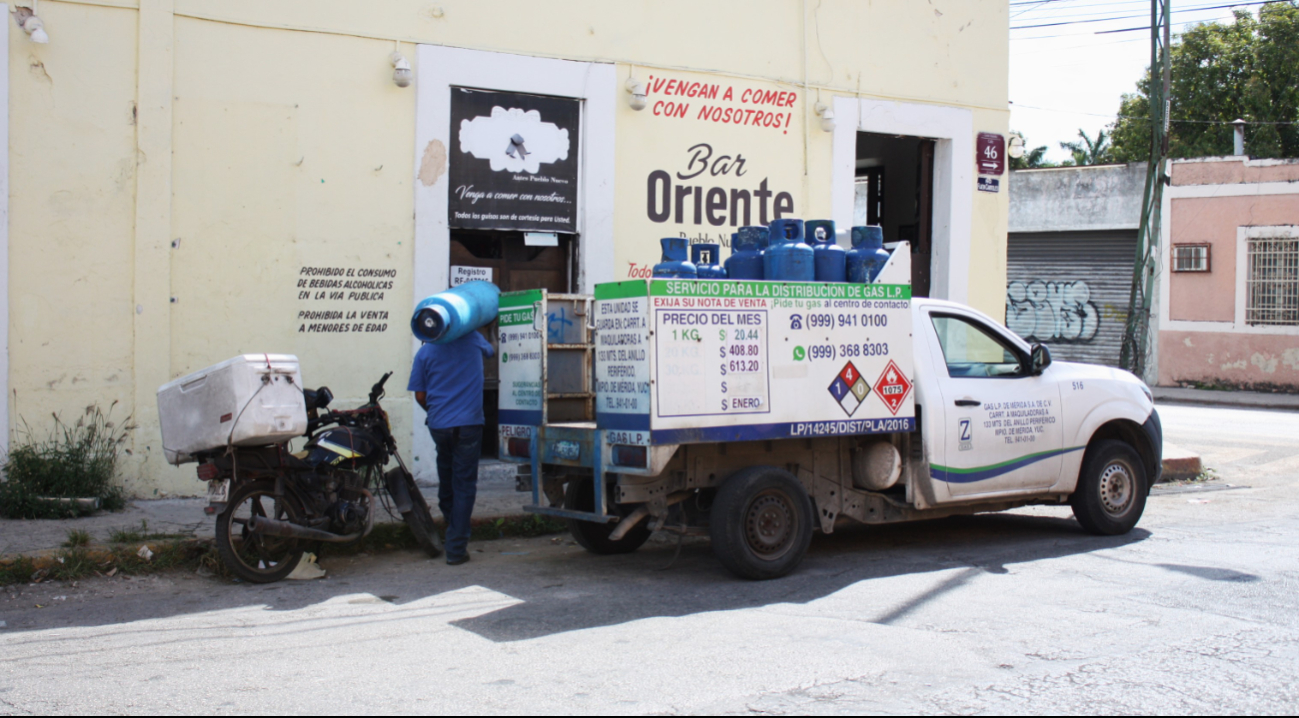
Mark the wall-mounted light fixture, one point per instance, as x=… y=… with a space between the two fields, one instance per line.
x=636 y=89
x=1016 y=147
x=401 y=73
x=827 y=116
x=31 y=24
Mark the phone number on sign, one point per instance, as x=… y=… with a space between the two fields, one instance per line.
x=828 y=321
x=848 y=351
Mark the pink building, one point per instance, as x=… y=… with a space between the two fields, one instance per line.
x=1229 y=289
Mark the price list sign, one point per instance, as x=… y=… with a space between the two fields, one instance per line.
x=710 y=361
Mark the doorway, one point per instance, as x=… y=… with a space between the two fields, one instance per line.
x=515 y=266
x=894 y=188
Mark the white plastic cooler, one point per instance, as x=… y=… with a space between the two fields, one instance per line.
x=250 y=400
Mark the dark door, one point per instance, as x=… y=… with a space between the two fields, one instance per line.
x=515 y=267
x=922 y=252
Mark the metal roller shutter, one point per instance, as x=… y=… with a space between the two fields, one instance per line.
x=1070 y=290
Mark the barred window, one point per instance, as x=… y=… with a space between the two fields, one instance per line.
x=1272 y=287
x=1190 y=258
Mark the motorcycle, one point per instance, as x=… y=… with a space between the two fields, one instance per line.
x=272 y=505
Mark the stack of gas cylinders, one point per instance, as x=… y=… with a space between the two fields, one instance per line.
x=787 y=250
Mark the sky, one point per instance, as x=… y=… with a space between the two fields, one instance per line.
x=1065 y=77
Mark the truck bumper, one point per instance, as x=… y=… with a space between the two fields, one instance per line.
x=1154 y=432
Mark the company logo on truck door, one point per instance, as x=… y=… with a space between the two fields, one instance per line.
x=849 y=388
x=892 y=387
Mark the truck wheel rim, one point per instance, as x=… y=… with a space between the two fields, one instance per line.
x=770 y=524
x=1117 y=488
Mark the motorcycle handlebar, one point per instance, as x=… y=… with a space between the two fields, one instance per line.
x=377 y=390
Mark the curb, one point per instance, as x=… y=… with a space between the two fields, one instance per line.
x=1236 y=399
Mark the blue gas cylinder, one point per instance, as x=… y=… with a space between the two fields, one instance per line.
x=787 y=257
x=704 y=257
x=745 y=261
x=830 y=259
x=676 y=260
x=447 y=316
x=868 y=255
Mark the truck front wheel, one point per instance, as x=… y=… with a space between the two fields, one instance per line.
x=761 y=523
x=594 y=536
x=1111 y=492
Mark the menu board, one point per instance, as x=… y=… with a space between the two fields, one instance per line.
x=731 y=360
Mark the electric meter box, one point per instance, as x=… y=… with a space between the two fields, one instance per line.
x=250 y=400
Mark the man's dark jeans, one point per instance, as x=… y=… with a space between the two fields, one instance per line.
x=458 y=452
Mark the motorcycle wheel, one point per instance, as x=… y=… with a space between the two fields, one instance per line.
x=252 y=557
x=420 y=519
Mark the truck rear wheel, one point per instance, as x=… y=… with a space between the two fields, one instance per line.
x=1111 y=491
x=594 y=536
x=761 y=523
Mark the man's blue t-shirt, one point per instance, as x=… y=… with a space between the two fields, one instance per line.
x=451 y=377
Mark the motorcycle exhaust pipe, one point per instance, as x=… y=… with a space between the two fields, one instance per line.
x=284 y=529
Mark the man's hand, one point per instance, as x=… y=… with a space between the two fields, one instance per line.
x=419 y=399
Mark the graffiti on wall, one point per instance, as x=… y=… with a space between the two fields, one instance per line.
x=1051 y=310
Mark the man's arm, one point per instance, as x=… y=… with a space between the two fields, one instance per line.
x=484 y=345
x=417 y=378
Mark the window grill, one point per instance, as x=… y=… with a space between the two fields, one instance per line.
x=1272 y=288
x=1191 y=258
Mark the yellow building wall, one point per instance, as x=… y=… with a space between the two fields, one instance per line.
x=174 y=165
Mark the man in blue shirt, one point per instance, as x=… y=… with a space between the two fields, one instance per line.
x=448 y=382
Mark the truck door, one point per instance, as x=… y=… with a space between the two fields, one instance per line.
x=1003 y=429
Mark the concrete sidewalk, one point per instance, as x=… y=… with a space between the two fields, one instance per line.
x=496 y=498
x=1247 y=399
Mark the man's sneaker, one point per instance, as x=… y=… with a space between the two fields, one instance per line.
x=457 y=560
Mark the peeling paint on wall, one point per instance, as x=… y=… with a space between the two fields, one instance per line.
x=1266 y=362
x=434 y=163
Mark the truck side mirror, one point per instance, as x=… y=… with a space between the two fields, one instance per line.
x=1040 y=358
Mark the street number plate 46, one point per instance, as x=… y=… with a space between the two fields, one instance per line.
x=218 y=492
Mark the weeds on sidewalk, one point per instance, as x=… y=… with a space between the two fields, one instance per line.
x=136 y=535
x=79 y=560
x=74 y=461
x=77 y=538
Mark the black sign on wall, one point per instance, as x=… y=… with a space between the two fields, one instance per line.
x=513 y=161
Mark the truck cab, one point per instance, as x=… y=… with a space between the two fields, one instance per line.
x=756 y=413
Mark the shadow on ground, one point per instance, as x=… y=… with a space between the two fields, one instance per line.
x=626 y=588
x=562 y=588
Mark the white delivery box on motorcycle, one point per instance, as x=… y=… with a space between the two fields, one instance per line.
x=250 y=400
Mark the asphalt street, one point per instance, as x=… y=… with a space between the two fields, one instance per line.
x=1195 y=611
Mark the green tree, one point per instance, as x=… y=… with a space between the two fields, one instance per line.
x=1088 y=151
x=1032 y=159
x=1245 y=69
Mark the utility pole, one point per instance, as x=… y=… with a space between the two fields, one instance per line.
x=1136 y=336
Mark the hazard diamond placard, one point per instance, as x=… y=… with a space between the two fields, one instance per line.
x=892 y=387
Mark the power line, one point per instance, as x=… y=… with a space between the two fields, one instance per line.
x=1129 y=17
x=1137 y=117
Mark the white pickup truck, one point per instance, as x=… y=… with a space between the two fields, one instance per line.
x=757 y=412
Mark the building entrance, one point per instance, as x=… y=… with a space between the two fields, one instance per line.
x=515 y=266
x=894 y=188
